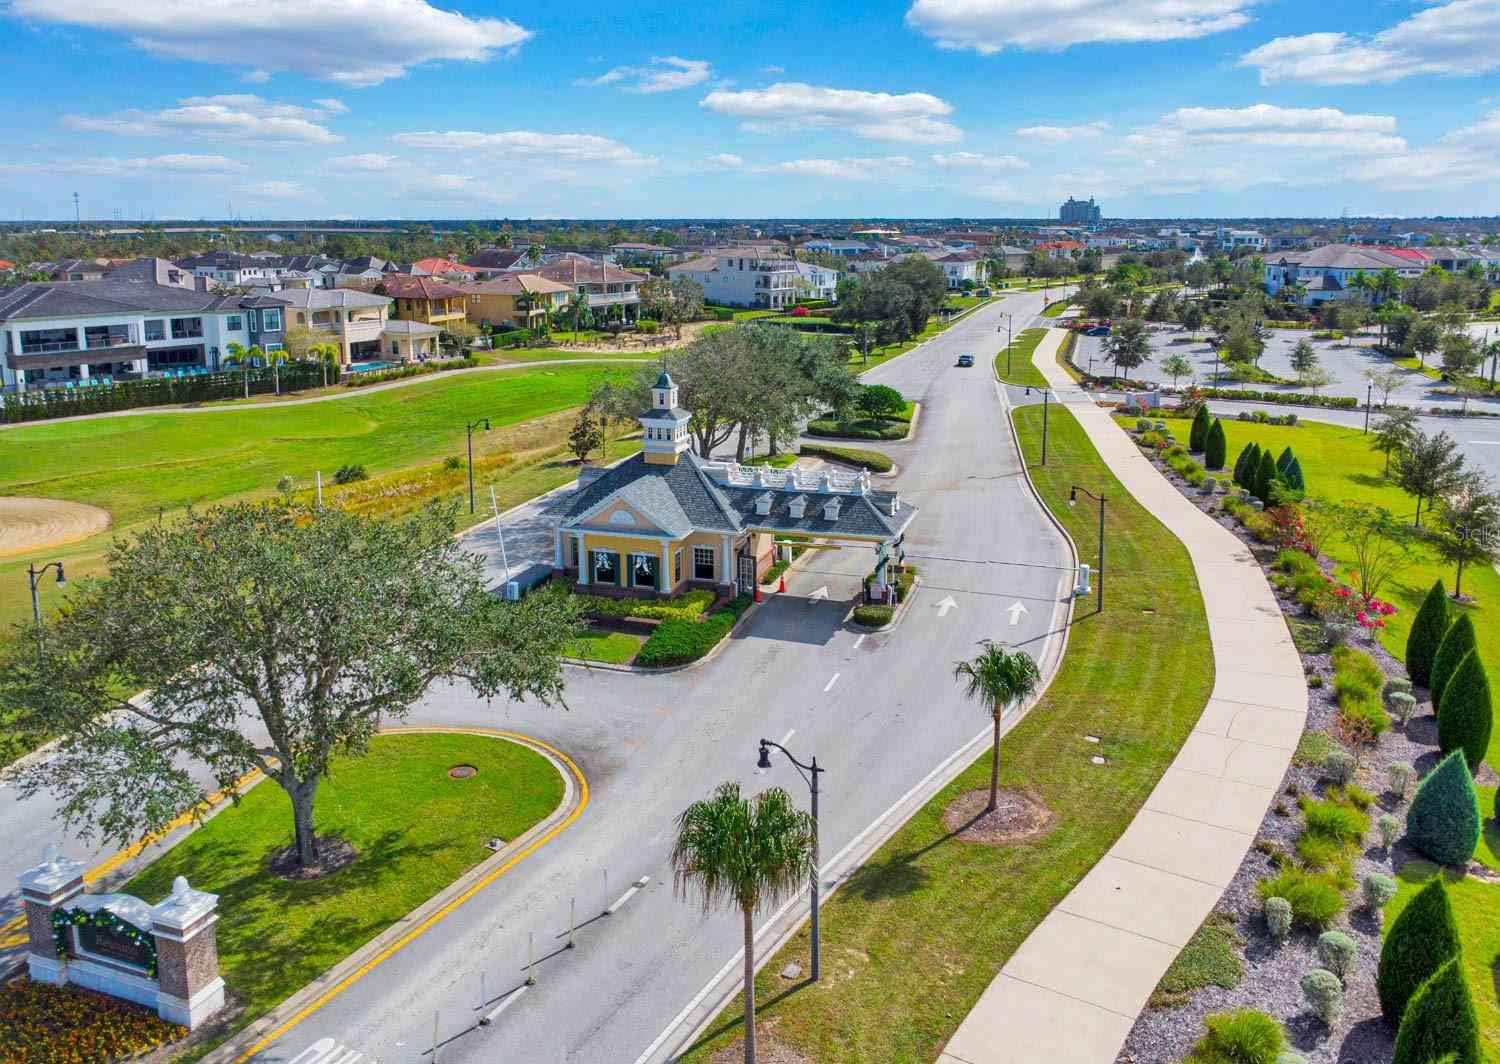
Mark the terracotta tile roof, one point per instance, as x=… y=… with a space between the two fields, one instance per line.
x=515 y=284
x=404 y=286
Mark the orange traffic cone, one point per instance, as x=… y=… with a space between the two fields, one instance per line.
x=757 y=593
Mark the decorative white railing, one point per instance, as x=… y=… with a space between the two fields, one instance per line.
x=759 y=476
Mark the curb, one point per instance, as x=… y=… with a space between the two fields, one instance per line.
x=268 y=1028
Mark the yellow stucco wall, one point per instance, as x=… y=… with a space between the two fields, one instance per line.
x=602 y=520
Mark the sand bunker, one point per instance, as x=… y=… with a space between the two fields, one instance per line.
x=26 y=524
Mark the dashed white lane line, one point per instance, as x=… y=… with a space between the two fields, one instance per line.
x=788 y=737
x=831 y=683
x=860 y=640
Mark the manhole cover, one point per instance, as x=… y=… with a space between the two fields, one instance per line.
x=462 y=772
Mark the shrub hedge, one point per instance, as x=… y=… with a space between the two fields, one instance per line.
x=1420 y=941
x=1443 y=821
x=1466 y=716
x=677 y=642
x=859 y=430
x=1339 y=402
x=1439 y=1023
x=688 y=606
x=874 y=461
x=1457 y=642
x=1426 y=635
x=873 y=615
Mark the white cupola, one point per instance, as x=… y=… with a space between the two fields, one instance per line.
x=665 y=425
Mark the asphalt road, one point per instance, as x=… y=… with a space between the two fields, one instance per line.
x=879 y=711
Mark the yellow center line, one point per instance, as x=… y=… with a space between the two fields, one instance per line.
x=421 y=928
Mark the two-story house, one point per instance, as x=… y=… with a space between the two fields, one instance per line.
x=613 y=294
x=515 y=300
x=743 y=277
x=426 y=299
x=61 y=334
x=353 y=320
x=817 y=282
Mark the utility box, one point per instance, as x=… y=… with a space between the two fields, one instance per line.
x=1083 y=581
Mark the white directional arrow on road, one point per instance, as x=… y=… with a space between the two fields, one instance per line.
x=946 y=605
x=1017 y=611
x=821 y=593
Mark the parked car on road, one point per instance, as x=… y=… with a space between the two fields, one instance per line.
x=965 y=360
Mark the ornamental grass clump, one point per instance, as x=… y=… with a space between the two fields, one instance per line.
x=1421 y=940
x=1465 y=715
x=1325 y=994
x=1316 y=898
x=1246 y=1036
x=1426 y=636
x=1439 y=1022
x=1443 y=821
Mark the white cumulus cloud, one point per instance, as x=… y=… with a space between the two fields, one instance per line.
x=139 y=166
x=724 y=160
x=989 y=26
x=665 y=73
x=370 y=160
x=353 y=42
x=854 y=169
x=237 y=116
x=1063 y=133
x=911 y=117
x=529 y=146
x=1457 y=39
x=1324 y=130
x=968 y=160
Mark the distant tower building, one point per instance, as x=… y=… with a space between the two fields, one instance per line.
x=1078 y=212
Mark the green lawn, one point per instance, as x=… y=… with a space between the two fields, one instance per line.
x=1022 y=371
x=917 y=934
x=1340 y=466
x=139 y=465
x=1053 y=310
x=1476 y=905
x=415 y=830
x=613 y=648
x=550 y=354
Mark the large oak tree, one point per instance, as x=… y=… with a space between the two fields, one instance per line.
x=268 y=636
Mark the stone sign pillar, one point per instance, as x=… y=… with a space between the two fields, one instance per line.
x=46 y=888
x=187 y=955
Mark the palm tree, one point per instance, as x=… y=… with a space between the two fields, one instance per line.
x=238 y=354
x=577 y=305
x=750 y=852
x=274 y=358
x=997 y=677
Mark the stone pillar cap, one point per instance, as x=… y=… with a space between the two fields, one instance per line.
x=53 y=874
x=183 y=907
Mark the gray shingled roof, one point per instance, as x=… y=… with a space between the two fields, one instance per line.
x=69 y=299
x=859 y=515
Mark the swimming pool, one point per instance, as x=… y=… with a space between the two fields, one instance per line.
x=369 y=367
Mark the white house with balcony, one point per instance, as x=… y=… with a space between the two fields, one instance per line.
x=817 y=282
x=613 y=294
x=62 y=335
x=353 y=320
x=743 y=277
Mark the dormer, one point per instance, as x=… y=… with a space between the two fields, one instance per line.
x=831 y=509
x=797 y=507
x=763 y=504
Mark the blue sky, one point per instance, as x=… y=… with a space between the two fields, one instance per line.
x=400 y=108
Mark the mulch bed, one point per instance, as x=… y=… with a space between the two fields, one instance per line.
x=1017 y=815
x=1273 y=970
x=767 y=1051
x=333 y=853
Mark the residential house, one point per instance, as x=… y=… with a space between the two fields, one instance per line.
x=514 y=300
x=817 y=282
x=425 y=299
x=1324 y=273
x=742 y=277
x=630 y=252
x=446 y=268
x=226 y=269
x=1059 y=249
x=156 y=271
x=665 y=519
x=67 y=333
x=961 y=268
x=489 y=261
x=265 y=322
x=351 y=319
x=614 y=294
x=411 y=341
x=1234 y=239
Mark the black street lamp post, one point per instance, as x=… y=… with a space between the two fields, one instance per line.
x=810 y=774
x=1046 y=398
x=469 y=429
x=34 y=575
x=1369 y=391
x=1073 y=501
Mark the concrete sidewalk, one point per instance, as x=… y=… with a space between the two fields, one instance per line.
x=1072 y=991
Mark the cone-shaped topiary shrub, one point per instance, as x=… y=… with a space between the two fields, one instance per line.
x=1456 y=644
x=1248 y=460
x=1443 y=821
x=1421 y=940
x=1466 y=717
x=1198 y=434
x=1439 y=1022
x=1265 y=476
x=1294 y=476
x=1215 y=446
x=1426 y=635
x=1284 y=461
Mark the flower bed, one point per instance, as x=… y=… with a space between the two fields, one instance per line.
x=1318 y=847
x=42 y=1024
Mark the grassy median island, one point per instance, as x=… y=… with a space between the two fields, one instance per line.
x=913 y=940
x=1022 y=372
x=414 y=828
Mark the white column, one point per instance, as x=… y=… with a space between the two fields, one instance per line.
x=727 y=564
x=583 y=561
x=83 y=371
x=557 y=548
